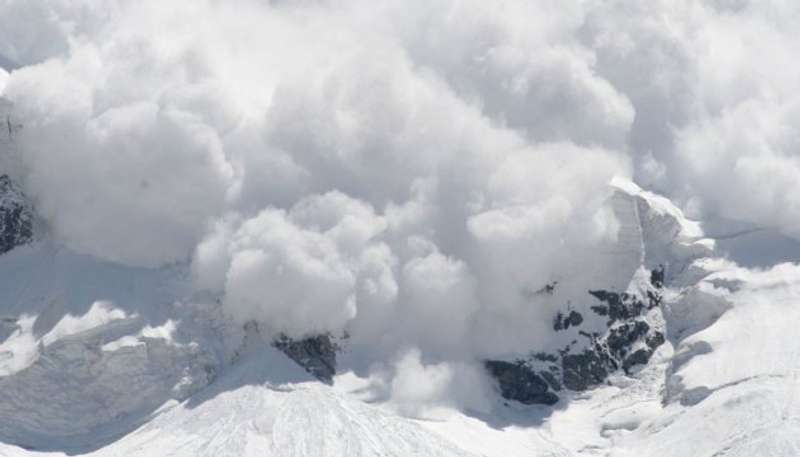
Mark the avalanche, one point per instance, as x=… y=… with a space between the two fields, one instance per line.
x=99 y=359
x=357 y=228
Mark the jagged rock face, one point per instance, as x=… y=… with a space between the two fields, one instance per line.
x=629 y=340
x=517 y=382
x=317 y=354
x=16 y=226
x=562 y=322
x=591 y=367
x=622 y=323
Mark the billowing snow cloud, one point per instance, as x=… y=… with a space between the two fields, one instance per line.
x=715 y=89
x=418 y=388
x=411 y=173
x=305 y=270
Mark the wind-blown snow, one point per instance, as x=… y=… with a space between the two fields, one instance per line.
x=3 y=80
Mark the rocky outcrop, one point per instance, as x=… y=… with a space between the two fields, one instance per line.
x=16 y=217
x=619 y=327
x=316 y=354
x=629 y=339
x=520 y=383
x=563 y=322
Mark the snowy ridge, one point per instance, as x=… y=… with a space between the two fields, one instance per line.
x=668 y=237
x=266 y=405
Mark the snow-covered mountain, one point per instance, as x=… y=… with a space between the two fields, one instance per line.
x=678 y=351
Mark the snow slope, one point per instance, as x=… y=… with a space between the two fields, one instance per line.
x=265 y=405
x=730 y=389
x=97 y=345
x=733 y=387
x=81 y=374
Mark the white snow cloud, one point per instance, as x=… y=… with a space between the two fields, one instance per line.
x=408 y=172
x=3 y=80
x=301 y=271
x=418 y=388
x=135 y=183
x=715 y=88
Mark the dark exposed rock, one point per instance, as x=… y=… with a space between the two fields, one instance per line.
x=654 y=340
x=545 y=357
x=581 y=371
x=16 y=220
x=640 y=357
x=316 y=354
x=600 y=310
x=621 y=345
x=548 y=288
x=618 y=306
x=654 y=299
x=551 y=379
x=558 y=322
x=520 y=383
x=629 y=339
x=573 y=319
x=620 y=338
x=657 y=277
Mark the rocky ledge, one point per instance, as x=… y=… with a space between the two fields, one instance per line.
x=16 y=217
x=316 y=354
x=629 y=340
